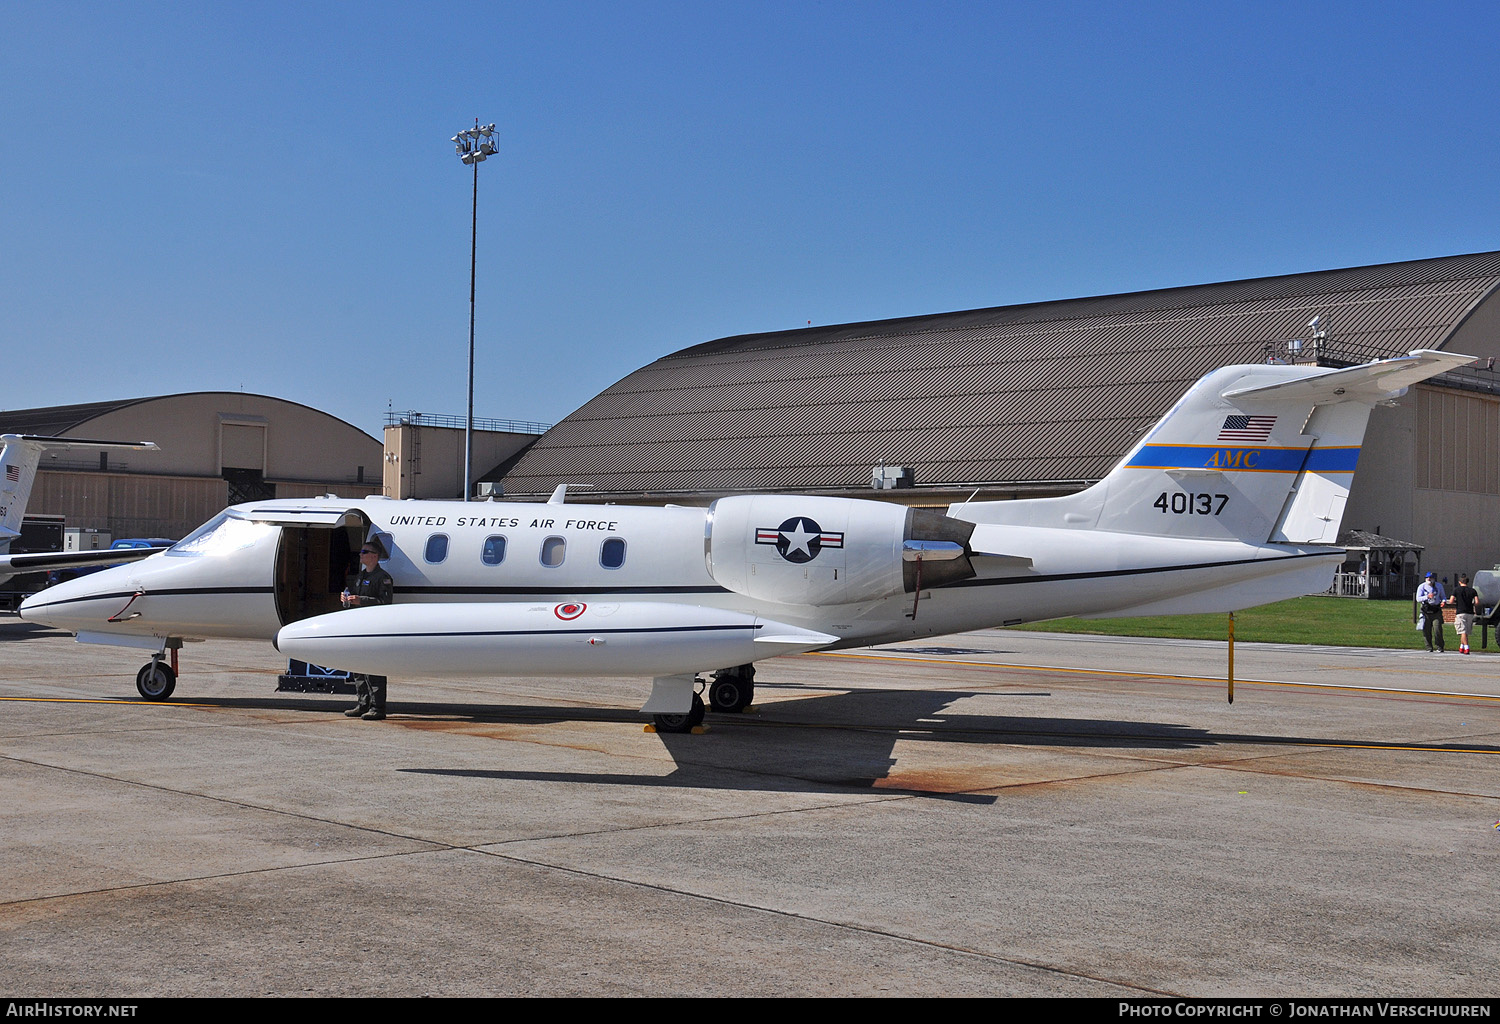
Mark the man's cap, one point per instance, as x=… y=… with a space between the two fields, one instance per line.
x=1429 y=575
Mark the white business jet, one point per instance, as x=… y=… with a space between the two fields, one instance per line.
x=19 y=458
x=1233 y=499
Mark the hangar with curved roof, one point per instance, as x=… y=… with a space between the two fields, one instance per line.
x=216 y=448
x=1044 y=398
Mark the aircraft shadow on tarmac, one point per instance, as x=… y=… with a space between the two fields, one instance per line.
x=846 y=740
x=827 y=742
x=17 y=630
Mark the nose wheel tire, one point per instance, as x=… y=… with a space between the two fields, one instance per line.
x=681 y=723
x=156 y=681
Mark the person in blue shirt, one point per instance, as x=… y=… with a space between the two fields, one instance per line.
x=1431 y=597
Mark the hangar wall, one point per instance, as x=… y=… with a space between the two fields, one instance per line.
x=1429 y=472
x=216 y=448
x=209 y=431
x=1044 y=398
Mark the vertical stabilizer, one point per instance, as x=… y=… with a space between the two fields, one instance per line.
x=18 y=461
x=1257 y=453
x=18 y=464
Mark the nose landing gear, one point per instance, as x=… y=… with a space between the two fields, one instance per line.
x=156 y=680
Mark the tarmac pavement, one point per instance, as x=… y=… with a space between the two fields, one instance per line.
x=997 y=813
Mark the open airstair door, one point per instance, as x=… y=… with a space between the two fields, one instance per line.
x=317 y=551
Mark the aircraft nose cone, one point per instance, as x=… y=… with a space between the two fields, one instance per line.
x=72 y=604
x=39 y=608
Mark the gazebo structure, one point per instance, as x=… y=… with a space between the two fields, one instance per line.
x=1377 y=566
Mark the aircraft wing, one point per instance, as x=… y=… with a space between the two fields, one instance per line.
x=45 y=561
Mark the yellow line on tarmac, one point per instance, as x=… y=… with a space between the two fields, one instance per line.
x=108 y=700
x=1434 y=749
x=1164 y=675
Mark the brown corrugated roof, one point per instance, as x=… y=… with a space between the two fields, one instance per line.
x=1012 y=395
x=56 y=420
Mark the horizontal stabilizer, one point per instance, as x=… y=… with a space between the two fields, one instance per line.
x=1372 y=382
x=71 y=443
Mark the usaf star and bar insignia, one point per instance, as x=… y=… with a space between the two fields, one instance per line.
x=799 y=539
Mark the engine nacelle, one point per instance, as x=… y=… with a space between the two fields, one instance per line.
x=818 y=551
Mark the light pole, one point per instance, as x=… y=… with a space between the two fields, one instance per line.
x=475 y=145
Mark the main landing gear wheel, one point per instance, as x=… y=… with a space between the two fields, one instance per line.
x=733 y=689
x=681 y=723
x=156 y=681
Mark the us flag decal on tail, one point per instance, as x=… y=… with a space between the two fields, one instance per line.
x=1239 y=429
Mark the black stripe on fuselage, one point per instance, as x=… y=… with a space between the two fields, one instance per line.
x=176 y=592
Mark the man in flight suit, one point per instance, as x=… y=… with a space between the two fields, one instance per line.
x=372 y=585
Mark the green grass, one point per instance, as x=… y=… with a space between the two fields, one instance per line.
x=1341 y=621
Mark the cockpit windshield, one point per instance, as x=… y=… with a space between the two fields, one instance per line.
x=222 y=534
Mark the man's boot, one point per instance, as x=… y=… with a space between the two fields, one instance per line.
x=362 y=690
x=377 y=700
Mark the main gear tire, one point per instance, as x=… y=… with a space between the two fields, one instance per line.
x=681 y=723
x=732 y=691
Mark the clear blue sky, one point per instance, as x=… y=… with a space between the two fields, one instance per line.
x=200 y=196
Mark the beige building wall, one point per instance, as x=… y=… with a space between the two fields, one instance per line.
x=1456 y=480
x=297 y=450
x=1429 y=472
x=1380 y=500
x=203 y=433
x=127 y=505
x=428 y=462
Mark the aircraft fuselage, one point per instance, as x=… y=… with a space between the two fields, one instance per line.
x=233 y=582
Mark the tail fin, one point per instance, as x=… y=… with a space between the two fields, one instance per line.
x=1253 y=453
x=18 y=462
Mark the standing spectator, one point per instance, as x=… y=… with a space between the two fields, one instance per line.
x=1465 y=602
x=1430 y=595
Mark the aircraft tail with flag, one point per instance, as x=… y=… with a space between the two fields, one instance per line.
x=1258 y=454
x=19 y=459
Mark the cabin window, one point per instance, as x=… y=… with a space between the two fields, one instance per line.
x=554 y=549
x=437 y=548
x=612 y=554
x=494 y=550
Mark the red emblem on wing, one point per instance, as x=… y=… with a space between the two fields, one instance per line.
x=569 y=612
